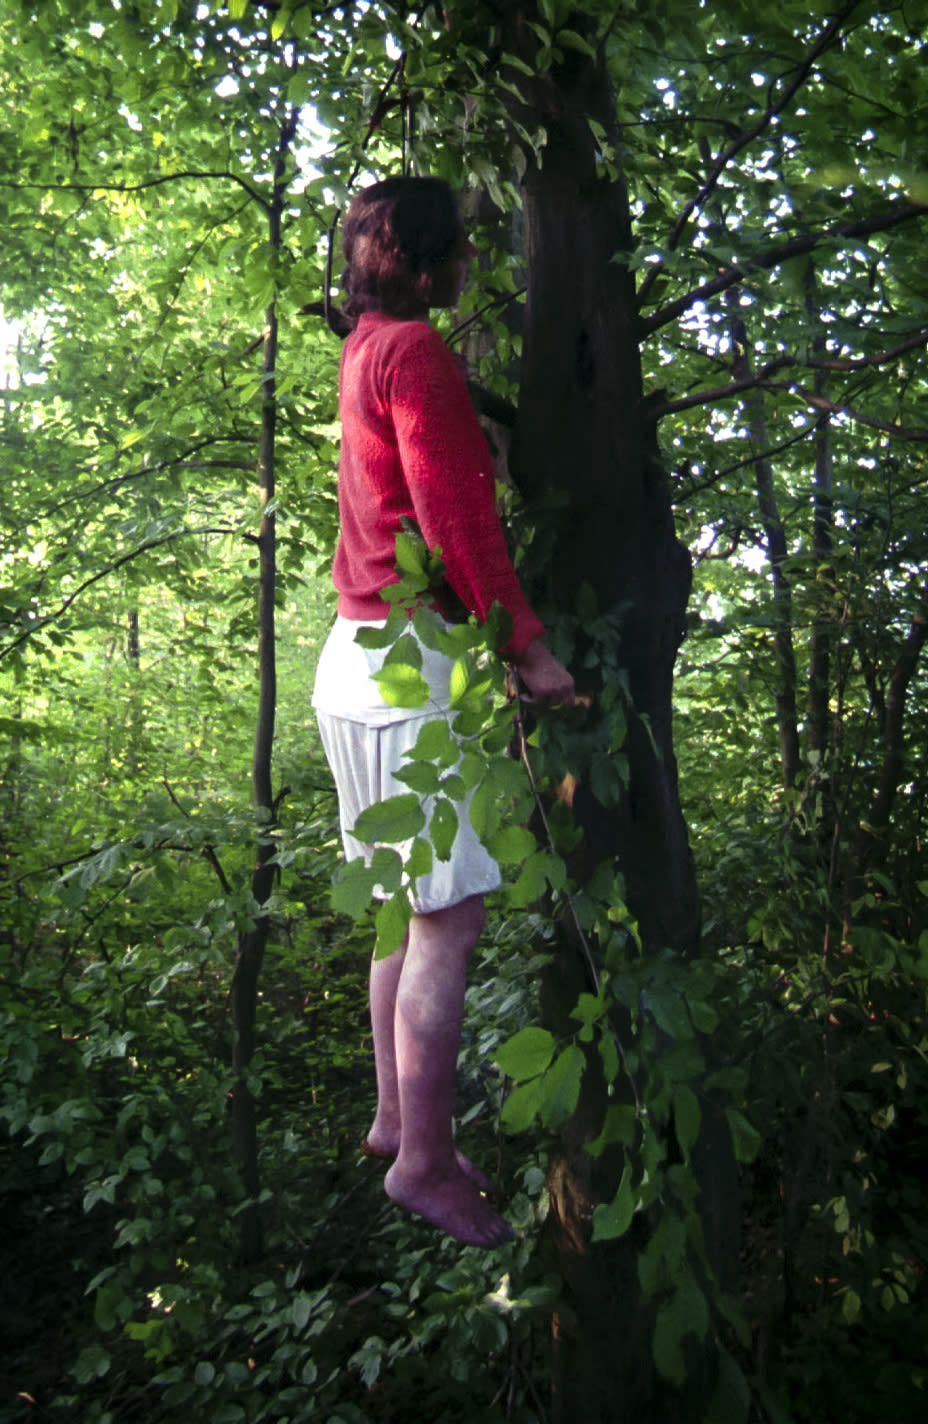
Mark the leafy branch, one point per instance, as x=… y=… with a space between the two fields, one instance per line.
x=760 y=380
x=747 y=136
x=764 y=261
x=180 y=461
x=41 y=623
x=181 y=176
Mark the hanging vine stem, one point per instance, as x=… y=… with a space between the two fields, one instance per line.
x=581 y=934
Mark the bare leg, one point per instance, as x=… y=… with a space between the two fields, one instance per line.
x=383 y=1140
x=426 y=1176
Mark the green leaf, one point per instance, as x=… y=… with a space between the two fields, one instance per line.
x=384 y=635
x=511 y=845
x=499 y=619
x=392 y=924
x=443 y=828
x=368 y=1360
x=572 y=40
x=745 y=1139
x=453 y=786
x=402 y=685
x=421 y=777
x=669 y=1010
x=526 y=1054
x=612 y=1219
x=562 y=1086
x=435 y=743
x=686 y=1117
x=522 y=1106
x=405 y=652
x=93 y=1362
x=532 y=882
x=731 y=1402
x=686 y=1314
x=620 y=1124
x=483 y=812
x=355 y=882
x=411 y=554
x=300 y=1311
x=420 y=860
x=458 y=682
x=609 y=1053
x=703 y=1015
x=399 y=818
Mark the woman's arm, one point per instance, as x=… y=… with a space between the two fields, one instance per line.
x=450 y=477
x=546 y=678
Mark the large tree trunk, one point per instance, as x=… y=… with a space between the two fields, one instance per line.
x=584 y=442
x=583 y=433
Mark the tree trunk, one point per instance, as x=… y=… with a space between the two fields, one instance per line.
x=583 y=440
x=584 y=444
x=777 y=551
x=252 y=942
x=822 y=550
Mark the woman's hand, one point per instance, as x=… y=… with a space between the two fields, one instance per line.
x=546 y=679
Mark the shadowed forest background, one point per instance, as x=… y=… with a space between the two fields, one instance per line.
x=696 y=1052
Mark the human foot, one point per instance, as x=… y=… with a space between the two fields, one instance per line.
x=451 y=1202
x=382 y=1145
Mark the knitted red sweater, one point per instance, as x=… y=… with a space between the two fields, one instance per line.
x=411 y=445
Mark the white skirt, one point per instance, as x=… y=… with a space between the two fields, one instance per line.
x=364 y=740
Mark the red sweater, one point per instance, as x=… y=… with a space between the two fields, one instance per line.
x=411 y=445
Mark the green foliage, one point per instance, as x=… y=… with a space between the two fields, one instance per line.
x=135 y=183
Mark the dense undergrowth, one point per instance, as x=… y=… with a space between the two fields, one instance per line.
x=125 y=1293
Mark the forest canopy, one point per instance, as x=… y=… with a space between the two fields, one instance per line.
x=696 y=1037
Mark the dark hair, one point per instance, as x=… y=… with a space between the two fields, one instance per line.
x=397 y=235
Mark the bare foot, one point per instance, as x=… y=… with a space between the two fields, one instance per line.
x=382 y=1145
x=452 y=1203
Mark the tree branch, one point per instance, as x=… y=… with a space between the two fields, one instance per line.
x=900 y=432
x=66 y=603
x=764 y=261
x=827 y=36
x=138 y=187
x=716 y=393
x=860 y=363
x=183 y=461
x=760 y=376
x=736 y=465
x=207 y=851
x=760 y=381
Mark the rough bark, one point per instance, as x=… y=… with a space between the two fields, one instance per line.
x=583 y=440
x=584 y=444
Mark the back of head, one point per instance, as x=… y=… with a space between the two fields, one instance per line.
x=397 y=234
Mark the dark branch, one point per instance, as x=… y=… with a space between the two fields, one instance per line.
x=747 y=136
x=761 y=376
x=208 y=851
x=182 y=460
x=138 y=187
x=764 y=261
x=900 y=432
x=67 y=602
